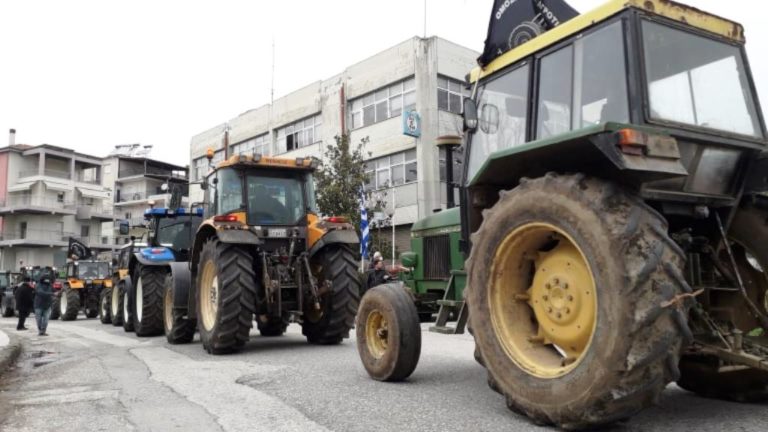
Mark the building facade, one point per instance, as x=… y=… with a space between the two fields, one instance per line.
x=138 y=183
x=48 y=194
x=368 y=100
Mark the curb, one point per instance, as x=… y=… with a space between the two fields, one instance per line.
x=9 y=353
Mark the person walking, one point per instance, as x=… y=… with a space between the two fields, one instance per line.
x=43 y=302
x=25 y=296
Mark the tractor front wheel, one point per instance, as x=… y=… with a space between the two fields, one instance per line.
x=56 y=305
x=226 y=296
x=337 y=275
x=271 y=326
x=178 y=329
x=567 y=278
x=126 y=301
x=70 y=304
x=105 y=309
x=148 y=303
x=116 y=305
x=388 y=333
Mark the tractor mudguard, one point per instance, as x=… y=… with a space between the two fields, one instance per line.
x=182 y=283
x=149 y=259
x=333 y=237
x=238 y=236
x=594 y=150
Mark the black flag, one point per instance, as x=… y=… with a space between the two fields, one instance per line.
x=514 y=22
x=78 y=250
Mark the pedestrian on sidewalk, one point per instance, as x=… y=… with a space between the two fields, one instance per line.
x=43 y=302
x=25 y=297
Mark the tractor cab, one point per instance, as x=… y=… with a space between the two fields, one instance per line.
x=171 y=233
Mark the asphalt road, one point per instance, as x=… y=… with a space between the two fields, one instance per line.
x=87 y=376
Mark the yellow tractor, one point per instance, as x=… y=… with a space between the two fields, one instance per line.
x=85 y=281
x=264 y=253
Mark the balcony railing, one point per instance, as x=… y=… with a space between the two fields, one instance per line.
x=97 y=209
x=47 y=173
x=87 y=179
x=34 y=201
x=35 y=235
x=133 y=196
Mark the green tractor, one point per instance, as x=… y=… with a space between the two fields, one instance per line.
x=614 y=216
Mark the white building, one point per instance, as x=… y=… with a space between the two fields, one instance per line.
x=368 y=100
x=48 y=194
x=137 y=183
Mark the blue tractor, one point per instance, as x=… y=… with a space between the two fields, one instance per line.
x=136 y=301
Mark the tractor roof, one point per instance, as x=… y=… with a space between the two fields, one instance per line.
x=259 y=161
x=665 y=8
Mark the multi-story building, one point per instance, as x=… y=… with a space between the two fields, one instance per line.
x=48 y=194
x=140 y=182
x=367 y=99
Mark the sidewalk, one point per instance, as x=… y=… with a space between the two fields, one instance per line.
x=10 y=347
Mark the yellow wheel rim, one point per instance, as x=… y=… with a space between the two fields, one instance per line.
x=209 y=295
x=376 y=334
x=542 y=300
x=168 y=309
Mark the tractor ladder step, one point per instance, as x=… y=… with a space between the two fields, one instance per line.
x=448 y=305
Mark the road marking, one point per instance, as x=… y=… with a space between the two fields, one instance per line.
x=213 y=385
x=4 y=340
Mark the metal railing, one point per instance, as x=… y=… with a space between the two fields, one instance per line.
x=82 y=179
x=34 y=201
x=133 y=196
x=47 y=173
x=98 y=209
x=36 y=235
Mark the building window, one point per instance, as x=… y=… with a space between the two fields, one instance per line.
x=450 y=95
x=60 y=197
x=259 y=145
x=392 y=170
x=201 y=165
x=87 y=201
x=85 y=231
x=382 y=104
x=299 y=134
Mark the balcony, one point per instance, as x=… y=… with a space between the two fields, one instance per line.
x=46 y=173
x=87 y=178
x=35 y=205
x=89 y=211
x=34 y=238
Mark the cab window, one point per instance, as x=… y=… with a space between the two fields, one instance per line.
x=229 y=191
x=502 y=114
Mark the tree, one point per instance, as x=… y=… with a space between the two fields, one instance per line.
x=339 y=179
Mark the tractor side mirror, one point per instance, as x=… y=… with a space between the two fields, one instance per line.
x=124 y=228
x=470 y=115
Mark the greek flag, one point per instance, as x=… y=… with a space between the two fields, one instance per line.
x=365 y=234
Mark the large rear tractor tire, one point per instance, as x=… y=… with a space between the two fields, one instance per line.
x=116 y=305
x=56 y=305
x=127 y=301
x=148 y=304
x=335 y=264
x=226 y=296
x=178 y=329
x=105 y=306
x=69 y=306
x=271 y=326
x=703 y=374
x=388 y=333
x=567 y=277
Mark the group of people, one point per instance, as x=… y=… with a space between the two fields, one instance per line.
x=37 y=297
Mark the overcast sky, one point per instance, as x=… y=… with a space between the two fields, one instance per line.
x=91 y=74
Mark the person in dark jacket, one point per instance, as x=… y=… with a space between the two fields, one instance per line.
x=43 y=302
x=25 y=296
x=377 y=275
